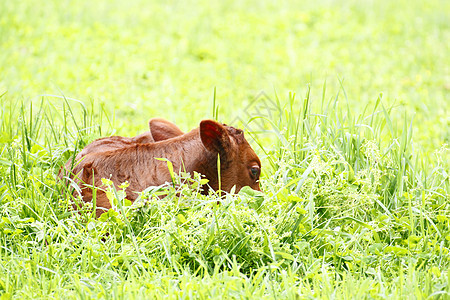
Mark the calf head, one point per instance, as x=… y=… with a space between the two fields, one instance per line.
x=239 y=164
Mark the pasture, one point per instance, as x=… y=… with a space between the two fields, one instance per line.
x=345 y=102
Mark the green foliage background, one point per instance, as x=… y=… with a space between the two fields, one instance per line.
x=356 y=168
x=141 y=56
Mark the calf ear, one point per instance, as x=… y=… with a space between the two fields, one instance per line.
x=214 y=136
x=162 y=129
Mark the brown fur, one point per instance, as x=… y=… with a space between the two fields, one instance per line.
x=160 y=129
x=196 y=150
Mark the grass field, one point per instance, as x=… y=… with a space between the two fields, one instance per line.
x=346 y=103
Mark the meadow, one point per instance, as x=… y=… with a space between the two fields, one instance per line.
x=345 y=102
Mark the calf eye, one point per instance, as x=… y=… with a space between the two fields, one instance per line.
x=255 y=171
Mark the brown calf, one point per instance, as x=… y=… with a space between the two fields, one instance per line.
x=196 y=150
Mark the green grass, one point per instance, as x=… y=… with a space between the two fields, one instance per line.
x=355 y=171
x=344 y=213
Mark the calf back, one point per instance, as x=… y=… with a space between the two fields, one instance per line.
x=160 y=129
